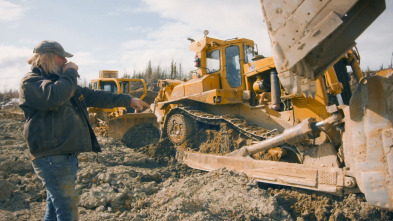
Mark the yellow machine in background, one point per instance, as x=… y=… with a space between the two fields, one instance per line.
x=109 y=81
x=297 y=102
x=117 y=121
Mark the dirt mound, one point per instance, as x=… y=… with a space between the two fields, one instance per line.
x=141 y=135
x=148 y=183
x=309 y=205
x=219 y=195
x=150 y=96
x=220 y=141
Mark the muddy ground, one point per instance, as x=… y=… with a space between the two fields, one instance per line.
x=146 y=182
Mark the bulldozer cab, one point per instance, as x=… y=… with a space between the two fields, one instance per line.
x=224 y=58
x=106 y=86
x=118 y=120
x=119 y=87
x=108 y=81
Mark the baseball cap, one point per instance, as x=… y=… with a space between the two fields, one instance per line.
x=51 y=46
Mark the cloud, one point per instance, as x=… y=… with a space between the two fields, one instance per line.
x=89 y=64
x=11 y=76
x=126 y=9
x=138 y=29
x=160 y=46
x=223 y=20
x=10 y=11
x=84 y=58
x=184 y=19
x=376 y=43
x=11 y=52
x=136 y=44
x=13 y=65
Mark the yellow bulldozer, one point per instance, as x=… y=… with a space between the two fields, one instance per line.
x=296 y=106
x=297 y=103
x=109 y=81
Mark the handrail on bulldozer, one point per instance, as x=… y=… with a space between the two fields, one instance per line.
x=144 y=87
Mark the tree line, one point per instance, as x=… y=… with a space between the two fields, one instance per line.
x=7 y=95
x=151 y=74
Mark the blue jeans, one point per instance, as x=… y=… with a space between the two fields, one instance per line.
x=58 y=174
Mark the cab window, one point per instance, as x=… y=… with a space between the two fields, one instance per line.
x=213 y=61
x=108 y=86
x=248 y=53
x=232 y=60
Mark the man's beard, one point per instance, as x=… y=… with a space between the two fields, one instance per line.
x=57 y=69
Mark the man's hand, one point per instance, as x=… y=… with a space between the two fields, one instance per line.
x=138 y=104
x=70 y=65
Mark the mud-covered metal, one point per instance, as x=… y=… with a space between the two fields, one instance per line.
x=120 y=125
x=368 y=138
x=296 y=134
x=309 y=36
x=179 y=128
x=324 y=179
x=238 y=123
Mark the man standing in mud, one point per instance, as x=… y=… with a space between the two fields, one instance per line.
x=57 y=126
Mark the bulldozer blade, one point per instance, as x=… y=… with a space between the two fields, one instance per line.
x=324 y=179
x=120 y=125
x=309 y=36
x=368 y=138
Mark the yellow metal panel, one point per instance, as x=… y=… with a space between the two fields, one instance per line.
x=334 y=86
x=120 y=125
x=305 y=107
x=108 y=74
x=353 y=61
x=228 y=96
x=212 y=82
x=195 y=87
x=385 y=72
x=204 y=43
x=177 y=92
x=258 y=66
x=198 y=46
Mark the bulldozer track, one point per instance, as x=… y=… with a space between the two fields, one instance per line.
x=241 y=125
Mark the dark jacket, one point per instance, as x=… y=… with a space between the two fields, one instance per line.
x=55 y=108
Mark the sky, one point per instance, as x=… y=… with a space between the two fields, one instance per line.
x=125 y=35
